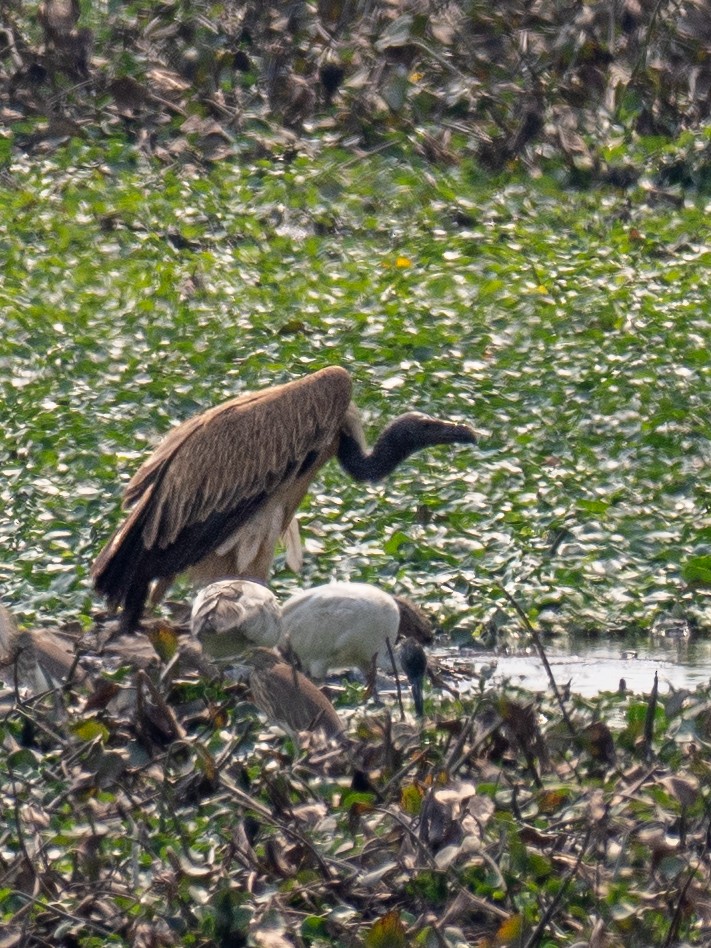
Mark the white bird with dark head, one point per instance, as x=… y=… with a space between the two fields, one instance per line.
x=221 y=488
x=348 y=625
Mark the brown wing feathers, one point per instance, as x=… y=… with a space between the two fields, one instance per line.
x=212 y=474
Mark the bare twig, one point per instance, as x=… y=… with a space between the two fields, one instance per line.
x=397 y=679
x=649 y=718
x=542 y=654
x=537 y=934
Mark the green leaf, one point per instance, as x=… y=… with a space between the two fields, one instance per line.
x=697 y=570
x=90 y=730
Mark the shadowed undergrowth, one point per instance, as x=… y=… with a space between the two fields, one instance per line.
x=164 y=813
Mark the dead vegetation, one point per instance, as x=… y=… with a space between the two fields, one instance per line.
x=501 y=83
x=154 y=807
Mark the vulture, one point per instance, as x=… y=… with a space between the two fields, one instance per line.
x=223 y=486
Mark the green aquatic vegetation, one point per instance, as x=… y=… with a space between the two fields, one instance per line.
x=570 y=328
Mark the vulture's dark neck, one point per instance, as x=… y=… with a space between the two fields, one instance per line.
x=401 y=438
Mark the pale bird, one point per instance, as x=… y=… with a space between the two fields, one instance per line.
x=222 y=487
x=233 y=615
x=347 y=625
x=339 y=625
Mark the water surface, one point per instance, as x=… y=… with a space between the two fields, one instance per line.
x=592 y=667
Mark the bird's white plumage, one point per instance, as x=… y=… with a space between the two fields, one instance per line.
x=232 y=615
x=292 y=542
x=340 y=625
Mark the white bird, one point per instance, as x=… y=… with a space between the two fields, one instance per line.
x=233 y=615
x=343 y=625
x=222 y=487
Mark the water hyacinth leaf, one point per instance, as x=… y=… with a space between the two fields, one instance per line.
x=90 y=730
x=684 y=789
x=357 y=803
x=697 y=570
x=552 y=799
x=108 y=766
x=21 y=759
x=205 y=763
x=232 y=915
x=164 y=641
x=104 y=691
x=430 y=886
x=314 y=927
x=598 y=741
